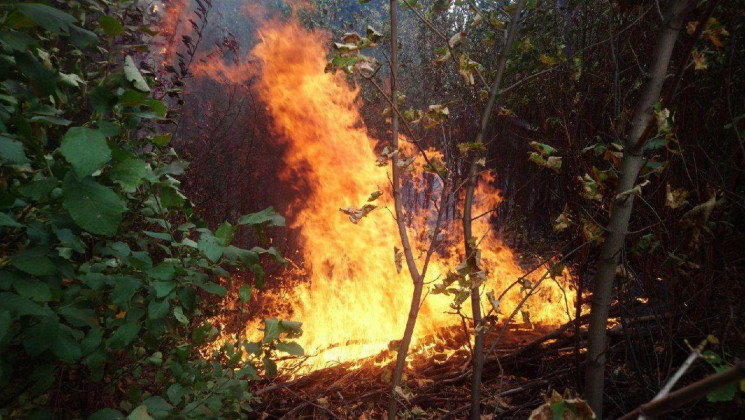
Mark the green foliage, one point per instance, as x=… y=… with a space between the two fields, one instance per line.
x=728 y=392
x=105 y=269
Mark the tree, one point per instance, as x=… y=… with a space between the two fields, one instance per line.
x=638 y=134
x=468 y=238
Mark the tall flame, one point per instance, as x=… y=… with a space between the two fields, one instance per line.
x=353 y=302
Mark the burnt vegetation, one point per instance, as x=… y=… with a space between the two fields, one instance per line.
x=505 y=209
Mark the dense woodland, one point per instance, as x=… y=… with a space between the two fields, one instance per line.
x=414 y=209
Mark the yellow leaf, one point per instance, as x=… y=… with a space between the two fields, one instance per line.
x=675 y=198
x=713 y=340
x=691 y=27
x=548 y=60
x=699 y=60
x=456 y=39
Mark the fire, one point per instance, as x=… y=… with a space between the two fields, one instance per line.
x=349 y=296
x=172 y=24
x=353 y=302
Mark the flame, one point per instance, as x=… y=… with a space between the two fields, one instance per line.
x=352 y=301
x=349 y=296
x=172 y=25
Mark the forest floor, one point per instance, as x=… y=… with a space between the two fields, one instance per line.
x=528 y=363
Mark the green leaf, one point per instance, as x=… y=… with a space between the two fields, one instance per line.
x=39 y=188
x=158 y=107
x=66 y=347
x=49 y=18
x=79 y=316
x=171 y=198
x=133 y=75
x=244 y=293
x=158 y=310
x=82 y=38
x=33 y=261
x=248 y=257
x=210 y=246
x=156 y=359
x=274 y=252
x=102 y=99
x=292 y=348
x=271 y=329
x=15 y=41
x=270 y=367
x=176 y=393
x=723 y=394
x=163 y=288
x=655 y=143
x=40 y=336
x=72 y=80
x=132 y=98
x=11 y=151
x=291 y=326
x=159 y=235
x=129 y=174
x=111 y=26
x=249 y=370
x=7 y=220
x=20 y=305
x=86 y=150
x=124 y=335
x=542 y=148
x=91 y=341
x=178 y=312
x=225 y=232
x=174 y=168
x=95 y=362
x=213 y=288
x=164 y=271
x=253 y=348
x=33 y=289
x=92 y=206
x=266 y=215
x=161 y=140
x=140 y=413
x=124 y=289
x=42 y=79
x=158 y=407
x=50 y=120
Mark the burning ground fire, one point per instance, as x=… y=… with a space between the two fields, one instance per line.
x=351 y=299
x=353 y=293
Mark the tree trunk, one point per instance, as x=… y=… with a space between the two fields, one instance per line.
x=623 y=204
x=410 y=263
x=478 y=344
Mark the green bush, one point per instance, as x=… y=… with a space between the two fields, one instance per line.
x=104 y=268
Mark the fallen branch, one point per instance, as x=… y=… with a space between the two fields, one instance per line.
x=690 y=393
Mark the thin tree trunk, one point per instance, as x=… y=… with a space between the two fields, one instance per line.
x=623 y=203
x=400 y=222
x=478 y=345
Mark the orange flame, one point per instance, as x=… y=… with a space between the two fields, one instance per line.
x=351 y=299
x=353 y=293
x=172 y=24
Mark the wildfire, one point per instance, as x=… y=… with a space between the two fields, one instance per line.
x=352 y=301
x=172 y=25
